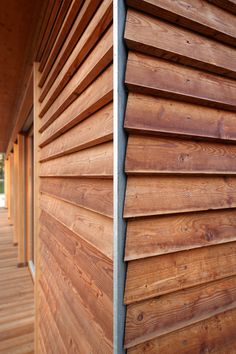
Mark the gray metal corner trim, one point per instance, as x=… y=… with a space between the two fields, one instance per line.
x=120 y=142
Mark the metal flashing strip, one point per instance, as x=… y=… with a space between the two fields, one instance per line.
x=120 y=142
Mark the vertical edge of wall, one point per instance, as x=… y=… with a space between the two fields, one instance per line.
x=21 y=199
x=15 y=194
x=120 y=142
x=29 y=198
x=36 y=196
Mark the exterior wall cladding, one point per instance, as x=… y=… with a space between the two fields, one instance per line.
x=175 y=254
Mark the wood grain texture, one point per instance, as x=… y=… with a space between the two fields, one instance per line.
x=16 y=297
x=155 y=115
x=60 y=37
x=96 y=129
x=155 y=276
x=151 y=236
x=215 y=335
x=154 y=155
x=196 y=15
x=91 y=280
x=44 y=29
x=154 y=76
x=20 y=222
x=174 y=194
x=99 y=59
x=96 y=161
x=56 y=299
x=69 y=298
x=95 y=229
x=81 y=21
x=180 y=202
x=152 y=36
x=80 y=252
x=52 y=337
x=228 y=5
x=36 y=199
x=74 y=120
x=29 y=197
x=97 y=95
x=64 y=7
x=92 y=194
x=91 y=35
x=153 y=318
x=15 y=195
x=51 y=16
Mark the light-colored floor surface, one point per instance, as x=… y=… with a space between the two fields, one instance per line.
x=16 y=297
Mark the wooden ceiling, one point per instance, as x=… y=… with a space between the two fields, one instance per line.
x=19 y=23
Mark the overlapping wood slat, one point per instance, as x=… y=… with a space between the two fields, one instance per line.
x=180 y=165
x=76 y=159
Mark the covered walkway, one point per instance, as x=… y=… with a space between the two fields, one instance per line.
x=16 y=297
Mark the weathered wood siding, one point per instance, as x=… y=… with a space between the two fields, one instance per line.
x=74 y=282
x=181 y=185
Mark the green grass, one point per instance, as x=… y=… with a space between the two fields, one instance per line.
x=1 y=187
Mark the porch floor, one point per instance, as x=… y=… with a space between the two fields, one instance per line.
x=16 y=297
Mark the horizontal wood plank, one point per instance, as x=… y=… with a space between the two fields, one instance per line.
x=83 y=271
x=196 y=15
x=154 y=76
x=153 y=318
x=50 y=17
x=78 y=255
x=155 y=37
x=55 y=30
x=86 y=13
x=96 y=161
x=54 y=296
x=146 y=196
x=95 y=229
x=64 y=28
x=99 y=59
x=97 y=95
x=156 y=155
x=48 y=327
x=180 y=116
x=155 y=276
x=96 y=129
x=155 y=115
x=71 y=317
x=216 y=334
x=92 y=194
x=228 y=5
x=153 y=236
x=65 y=66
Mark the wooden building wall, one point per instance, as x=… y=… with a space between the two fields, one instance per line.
x=74 y=130
x=181 y=185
